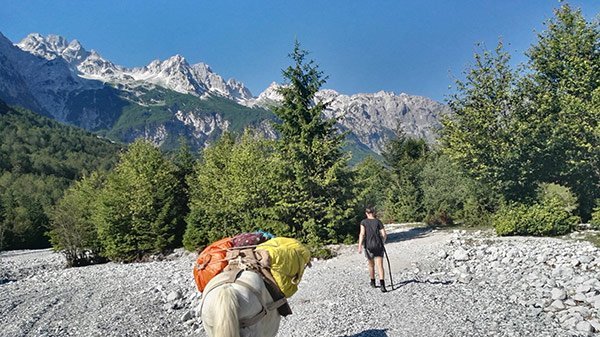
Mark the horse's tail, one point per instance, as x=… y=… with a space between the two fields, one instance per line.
x=228 y=324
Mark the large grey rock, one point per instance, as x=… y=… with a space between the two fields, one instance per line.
x=557 y=305
x=584 y=326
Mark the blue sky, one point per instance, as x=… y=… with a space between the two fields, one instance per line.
x=416 y=47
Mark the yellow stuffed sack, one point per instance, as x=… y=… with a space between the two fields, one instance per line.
x=289 y=257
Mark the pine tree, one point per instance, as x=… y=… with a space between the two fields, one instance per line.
x=318 y=184
x=405 y=157
x=371 y=183
x=184 y=162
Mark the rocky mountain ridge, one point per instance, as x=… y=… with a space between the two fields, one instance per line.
x=62 y=79
x=175 y=73
x=374 y=118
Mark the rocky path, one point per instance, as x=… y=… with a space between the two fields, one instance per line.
x=445 y=284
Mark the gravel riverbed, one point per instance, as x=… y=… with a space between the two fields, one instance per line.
x=446 y=283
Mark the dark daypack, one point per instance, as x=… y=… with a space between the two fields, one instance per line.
x=374 y=244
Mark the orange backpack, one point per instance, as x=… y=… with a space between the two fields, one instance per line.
x=211 y=262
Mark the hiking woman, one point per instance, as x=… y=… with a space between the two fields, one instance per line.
x=372 y=238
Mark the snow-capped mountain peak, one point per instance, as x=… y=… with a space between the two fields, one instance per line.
x=48 y=48
x=62 y=79
x=174 y=73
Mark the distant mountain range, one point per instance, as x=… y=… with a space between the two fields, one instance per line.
x=168 y=99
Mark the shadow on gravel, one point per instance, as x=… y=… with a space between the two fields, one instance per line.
x=371 y=333
x=403 y=283
x=413 y=233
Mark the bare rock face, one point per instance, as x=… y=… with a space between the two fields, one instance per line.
x=374 y=118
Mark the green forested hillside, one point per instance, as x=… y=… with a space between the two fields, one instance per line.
x=157 y=107
x=39 y=159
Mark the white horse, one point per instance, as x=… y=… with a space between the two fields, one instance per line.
x=242 y=308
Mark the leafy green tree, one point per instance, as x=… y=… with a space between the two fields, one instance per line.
x=39 y=160
x=450 y=196
x=513 y=132
x=3 y=225
x=27 y=198
x=595 y=220
x=234 y=189
x=561 y=126
x=317 y=200
x=480 y=134
x=137 y=212
x=72 y=229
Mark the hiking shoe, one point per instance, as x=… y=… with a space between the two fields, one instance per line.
x=373 y=284
x=382 y=287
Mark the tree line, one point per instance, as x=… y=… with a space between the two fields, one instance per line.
x=521 y=148
x=520 y=152
x=39 y=160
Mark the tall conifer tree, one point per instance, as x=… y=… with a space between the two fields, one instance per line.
x=317 y=181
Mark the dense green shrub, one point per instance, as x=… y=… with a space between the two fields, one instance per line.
x=449 y=196
x=562 y=194
x=234 y=189
x=72 y=230
x=137 y=213
x=478 y=209
x=540 y=219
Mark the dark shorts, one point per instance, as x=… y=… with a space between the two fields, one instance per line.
x=372 y=254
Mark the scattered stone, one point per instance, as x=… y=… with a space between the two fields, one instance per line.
x=460 y=254
x=583 y=288
x=465 y=278
x=595 y=324
x=188 y=315
x=557 y=305
x=558 y=294
x=584 y=326
x=173 y=296
x=512 y=286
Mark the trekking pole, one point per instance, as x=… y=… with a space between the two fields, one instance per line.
x=389 y=267
x=388 y=260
